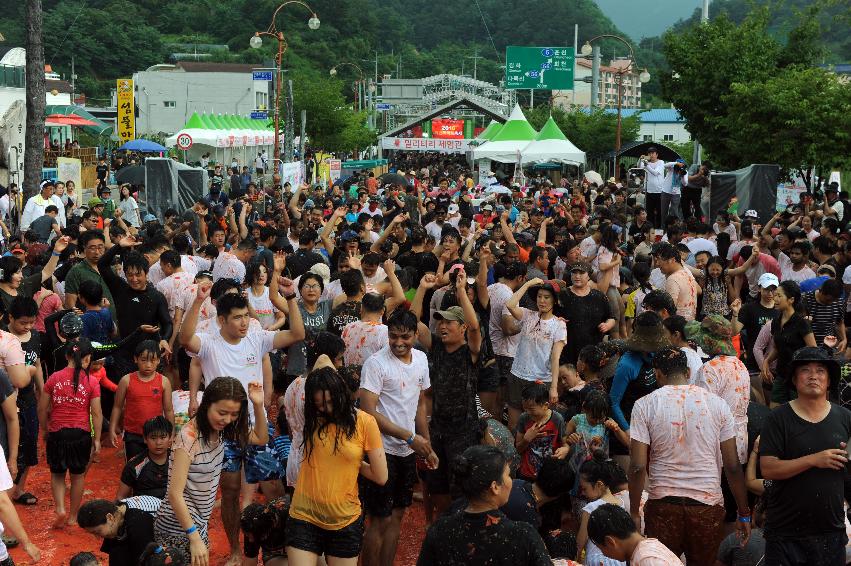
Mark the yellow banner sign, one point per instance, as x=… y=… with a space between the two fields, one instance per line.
x=126 y=118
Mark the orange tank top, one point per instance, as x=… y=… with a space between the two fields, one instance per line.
x=144 y=401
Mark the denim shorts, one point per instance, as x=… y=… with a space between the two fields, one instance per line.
x=261 y=462
x=342 y=543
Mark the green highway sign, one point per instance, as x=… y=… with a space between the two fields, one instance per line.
x=545 y=68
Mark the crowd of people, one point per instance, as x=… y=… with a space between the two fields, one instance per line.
x=555 y=376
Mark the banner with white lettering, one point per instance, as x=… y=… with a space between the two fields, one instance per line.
x=426 y=144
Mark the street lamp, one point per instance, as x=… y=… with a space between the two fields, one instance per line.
x=256 y=42
x=643 y=77
x=357 y=85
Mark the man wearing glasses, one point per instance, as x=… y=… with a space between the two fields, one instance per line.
x=93 y=245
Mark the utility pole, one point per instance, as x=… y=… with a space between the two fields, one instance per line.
x=595 y=74
x=34 y=137
x=475 y=57
x=704 y=17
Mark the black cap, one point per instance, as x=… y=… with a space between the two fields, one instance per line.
x=652 y=149
x=813 y=354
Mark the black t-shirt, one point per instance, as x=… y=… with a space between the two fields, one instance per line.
x=812 y=502
x=583 y=316
x=753 y=317
x=145 y=477
x=454 y=379
x=423 y=262
x=32 y=350
x=276 y=540
x=345 y=313
x=789 y=338
x=101 y=171
x=480 y=539
x=133 y=536
x=521 y=505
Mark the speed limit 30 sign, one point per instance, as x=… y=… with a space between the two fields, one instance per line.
x=184 y=141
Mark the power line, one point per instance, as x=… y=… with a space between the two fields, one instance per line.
x=68 y=31
x=482 y=14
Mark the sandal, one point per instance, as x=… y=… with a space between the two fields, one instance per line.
x=26 y=499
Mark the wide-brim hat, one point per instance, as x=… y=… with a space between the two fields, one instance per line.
x=648 y=334
x=715 y=336
x=812 y=354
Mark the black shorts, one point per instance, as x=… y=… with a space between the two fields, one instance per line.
x=342 y=543
x=441 y=481
x=504 y=365
x=489 y=379
x=69 y=449
x=28 y=445
x=134 y=444
x=398 y=492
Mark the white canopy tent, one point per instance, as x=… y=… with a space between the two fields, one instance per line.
x=514 y=135
x=552 y=146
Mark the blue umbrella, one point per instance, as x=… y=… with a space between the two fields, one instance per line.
x=142 y=145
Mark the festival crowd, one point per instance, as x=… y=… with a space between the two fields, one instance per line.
x=558 y=372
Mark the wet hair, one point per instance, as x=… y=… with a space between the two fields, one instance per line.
x=147 y=347
x=209 y=250
x=23 y=306
x=260 y=520
x=135 y=261
x=598 y=469
x=372 y=302
x=538 y=393
x=596 y=405
x=536 y=253
x=832 y=288
x=93 y=513
x=477 y=468
x=609 y=520
x=560 y=544
x=170 y=257
x=619 y=478
x=657 y=300
x=181 y=244
x=593 y=356
x=158 y=424
x=91 y=292
x=326 y=343
x=342 y=415
x=671 y=361
x=252 y=272
x=675 y=323
x=76 y=350
x=84 y=558
x=371 y=258
x=158 y=555
x=229 y=303
x=310 y=277
x=641 y=271
x=224 y=389
x=351 y=282
x=403 y=319
x=556 y=477
x=221 y=288
x=793 y=292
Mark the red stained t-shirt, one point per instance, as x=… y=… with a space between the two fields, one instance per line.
x=70 y=407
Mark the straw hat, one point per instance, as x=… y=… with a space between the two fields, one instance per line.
x=648 y=334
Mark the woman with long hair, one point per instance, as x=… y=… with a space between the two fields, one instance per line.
x=14 y=283
x=128 y=206
x=790 y=332
x=256 y=279
x=606 y=265
x=325 y=514
x=69 y=411
x=195 y=463
x=717 y=288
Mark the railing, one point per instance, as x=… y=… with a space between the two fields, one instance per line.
x=87 y=155
x=12 y=76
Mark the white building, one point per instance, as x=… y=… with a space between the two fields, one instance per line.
x=607 y=91
x=660 y=125
x=168 y=95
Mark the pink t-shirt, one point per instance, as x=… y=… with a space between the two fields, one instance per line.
x=293 y=407
x=11 y=353
x=651 y=552
x=173 y=286
x=70 y=407
x=362 y=340
x=604 y=256
x=186 y=298
x=684 y=425
x=683 y=289
x=49 y=305
x=727 y=377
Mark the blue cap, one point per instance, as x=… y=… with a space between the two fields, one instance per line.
x=149 y=218
x=308 y=204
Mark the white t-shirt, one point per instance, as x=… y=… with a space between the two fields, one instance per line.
x=243 y=361
x=503 y=345
x=263 y=306
x=588 y=247
x=228 y=265
x=702 y=245
x=435 y=230
x=398 y=386
x=684 y=425
x=173 y=287
x=363 y=339
x=789 y=274
x=730 y=229
x=657 y=278
x=537 y=338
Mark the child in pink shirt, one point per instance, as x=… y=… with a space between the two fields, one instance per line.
x=612 y=530
x=69 y=411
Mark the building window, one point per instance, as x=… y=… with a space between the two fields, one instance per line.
x=169 y=103
x=648 y=138
x=668 y=137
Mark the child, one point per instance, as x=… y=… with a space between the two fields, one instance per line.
x=540 y=431
x=156 y=555
x=97 y=320
x=595 y=475
x=141 y=395
x=613 y=531
x=561 y=546
x=71 y=396
x=263 y=527
x=570 y=384
x=84 y=559
x=589 y=430
x=147 y=473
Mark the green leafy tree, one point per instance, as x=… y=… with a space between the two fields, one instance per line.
x=593 y=132
x=799 y=119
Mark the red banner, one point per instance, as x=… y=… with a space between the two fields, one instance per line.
x=447 y=129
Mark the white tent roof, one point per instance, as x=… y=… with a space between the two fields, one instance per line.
x=552 y=146
x=514 y=135
x=199 y=137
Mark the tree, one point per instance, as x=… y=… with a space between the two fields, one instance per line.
x=799 y=119
x=34 y=138
x=594 y=131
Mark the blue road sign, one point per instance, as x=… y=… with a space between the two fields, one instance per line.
x=259 y=115
x=261 y=75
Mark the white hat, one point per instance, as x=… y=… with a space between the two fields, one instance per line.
x=453 y=208
x=751 y=213
x=768 y=280
x=322 y=271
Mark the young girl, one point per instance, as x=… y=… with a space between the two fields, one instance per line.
x=717 y=288
x=196 y=461
x=595 y=476
x=69 y=410
x=589 y=431
x=141 y=395
x=256 y=277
